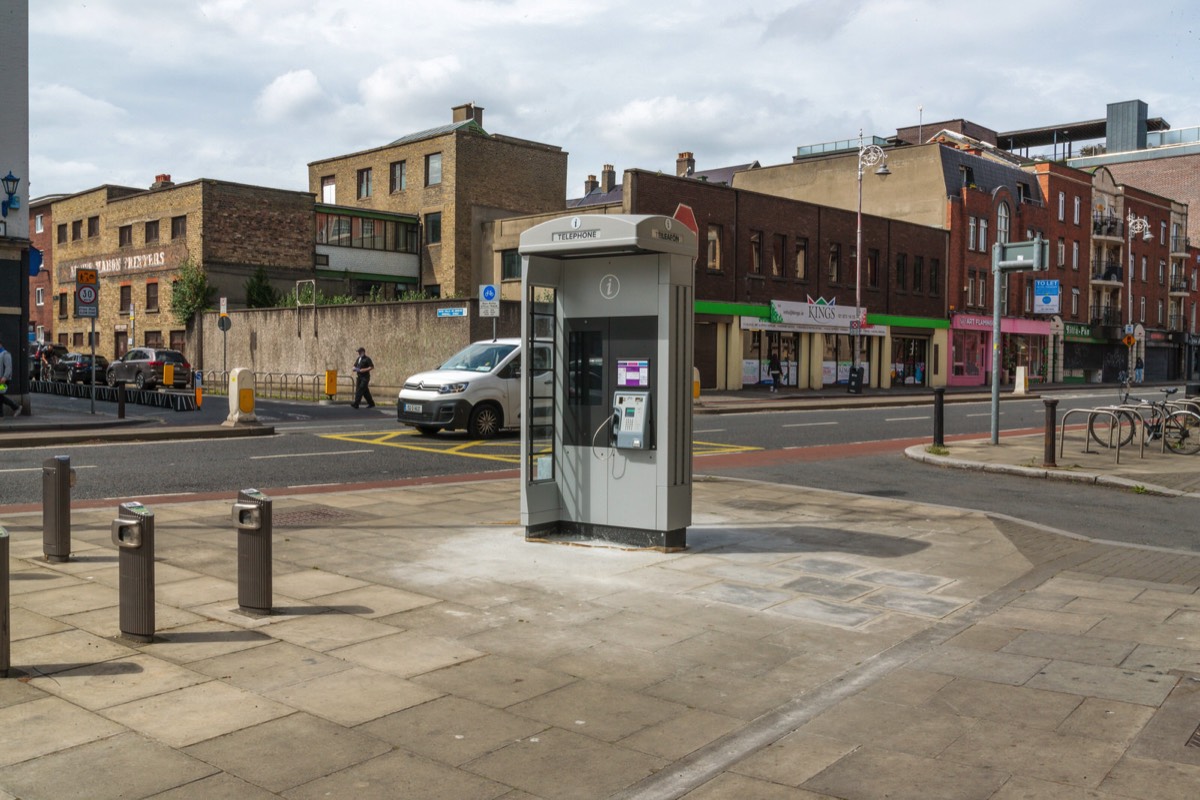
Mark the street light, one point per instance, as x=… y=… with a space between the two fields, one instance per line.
x=868 y=156
x=1134 y=225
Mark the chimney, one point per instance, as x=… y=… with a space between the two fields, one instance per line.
x=590 y=185
x=608 y=178
x=161 y=181
x=468 y=111
x=685 y=165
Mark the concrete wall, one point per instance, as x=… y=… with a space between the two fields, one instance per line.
x=401 y=338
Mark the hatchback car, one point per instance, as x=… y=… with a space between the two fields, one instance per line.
x=78 y=368
x=143 y=367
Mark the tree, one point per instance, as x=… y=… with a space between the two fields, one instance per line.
x=259 y=291
x=190 y=292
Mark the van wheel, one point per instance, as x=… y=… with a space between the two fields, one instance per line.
x=427 y=430
x=485 y=421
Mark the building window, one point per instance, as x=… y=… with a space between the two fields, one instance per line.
x=714 y=247
x=433 y=169
x=873 y=268
x=62 y=233
x=433 y=228
x=901 y=272
x=1162 y=233
x=1162 y=270
x=1028 y=297
x=93 y=227
x=1075 y=255
x=778 y=247
x=39 y=296
x=983 y=236
x=126 y=299
x=364 y=183
x=1062 y=206
x=971 y=235
x=152 y=296
x=151 y=232
x=1002 y=223
x=178 y=227
x=76 y=230
x=918 y=273
x=756 y=252
x=1142 y=310
x=37 y=223
x=1074 y=302
x=802 y=259
x=510 y=265
x=981 y=288
x=399 y=176
x=935 y=277
x=178 y=339
x=1143 y=269
x=1062 y=253
x=1160 y=313
x=62 y=305
x=835 y=263
x=154 y=339
x=971 y=289
x=77 y=340
x=125 y=236
x=329 y=190
x=1077 y=204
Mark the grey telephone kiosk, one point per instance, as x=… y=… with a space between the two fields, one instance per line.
x=606 y=436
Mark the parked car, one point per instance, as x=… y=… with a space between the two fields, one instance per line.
x=143 y=367
x=42 y=357
x=478 y=390
x=78 y=368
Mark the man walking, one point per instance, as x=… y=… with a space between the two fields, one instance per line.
x=362 y=384
x=6 y=375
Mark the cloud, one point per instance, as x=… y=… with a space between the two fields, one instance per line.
x=291 y=96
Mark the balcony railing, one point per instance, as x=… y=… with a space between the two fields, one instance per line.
x=1175 y=322
x=1107 y=225
x=1180 y=244
x=1105 y=270
x=1106 y=316
x=1179 y=286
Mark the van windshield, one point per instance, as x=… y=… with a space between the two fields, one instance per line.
x=479 y=357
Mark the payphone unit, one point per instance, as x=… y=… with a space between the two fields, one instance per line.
x=606 y=444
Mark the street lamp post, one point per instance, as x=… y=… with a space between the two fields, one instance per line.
x=868 y=156
x=1134 y=225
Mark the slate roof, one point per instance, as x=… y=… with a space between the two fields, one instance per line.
x=441 y=130
x=987 y=174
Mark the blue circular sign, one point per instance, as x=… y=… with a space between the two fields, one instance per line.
x=489 y=293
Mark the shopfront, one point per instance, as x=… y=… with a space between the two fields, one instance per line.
x=815 y=343
x=1083 y=354
x=1023 y=343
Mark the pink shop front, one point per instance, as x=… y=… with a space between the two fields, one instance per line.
x=1023 y=343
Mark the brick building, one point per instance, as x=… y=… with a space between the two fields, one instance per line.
x=767 y=262
x=137 y=239
x=42 y=311
x=454 y=178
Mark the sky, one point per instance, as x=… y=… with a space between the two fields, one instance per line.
x=253 y=90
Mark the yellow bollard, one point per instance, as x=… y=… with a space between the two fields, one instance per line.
x=695 y=383
x=168 y=375
x=330 y=383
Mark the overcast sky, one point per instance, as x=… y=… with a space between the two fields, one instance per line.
x=252 y=90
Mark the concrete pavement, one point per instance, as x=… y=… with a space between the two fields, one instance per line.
x=809 y=644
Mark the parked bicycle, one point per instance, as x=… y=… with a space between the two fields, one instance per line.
x=1177 y=428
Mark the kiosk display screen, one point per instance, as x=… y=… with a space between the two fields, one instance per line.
x=633 y=374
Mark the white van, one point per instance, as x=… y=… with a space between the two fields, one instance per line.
x=478 y=389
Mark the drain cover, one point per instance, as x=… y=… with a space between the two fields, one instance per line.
x=309 y=517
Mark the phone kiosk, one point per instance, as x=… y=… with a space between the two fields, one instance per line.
x=606 y=432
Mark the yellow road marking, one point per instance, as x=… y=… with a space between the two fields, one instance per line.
x=486 y=449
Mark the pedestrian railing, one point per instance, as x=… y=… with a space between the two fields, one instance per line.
x=294 y=386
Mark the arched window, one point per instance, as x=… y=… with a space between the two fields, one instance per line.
x=1002 y=223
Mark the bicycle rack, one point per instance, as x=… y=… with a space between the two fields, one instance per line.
x=1114 y=424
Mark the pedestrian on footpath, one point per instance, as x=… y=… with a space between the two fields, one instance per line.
x=5 y=378
x=362 y=382
x=776 y=370
x=1139 y=370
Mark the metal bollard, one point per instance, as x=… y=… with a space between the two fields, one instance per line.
x=57 y=480
x=5 y=629
x=120 y=401
x=939 y=417
x=252 y=517
x=1051 y=424
x=133 y=534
